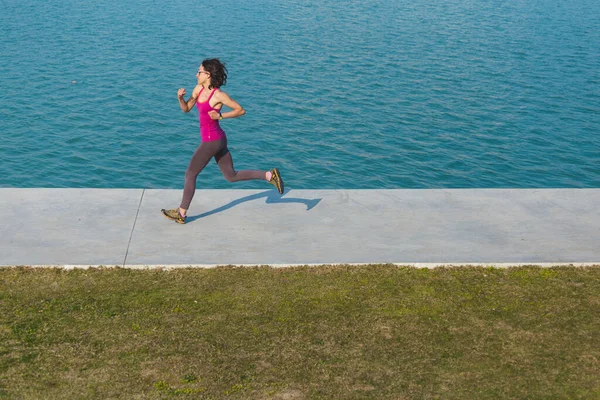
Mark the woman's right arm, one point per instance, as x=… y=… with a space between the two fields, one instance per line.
x=186 y=106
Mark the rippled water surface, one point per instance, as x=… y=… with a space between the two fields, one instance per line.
x=338 y=94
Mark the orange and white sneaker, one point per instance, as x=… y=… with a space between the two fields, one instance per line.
x=174 y=215
x=276 y=180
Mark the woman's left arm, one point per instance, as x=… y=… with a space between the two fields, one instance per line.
x=236 y=109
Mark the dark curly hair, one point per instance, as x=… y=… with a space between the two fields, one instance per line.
x=217 y=71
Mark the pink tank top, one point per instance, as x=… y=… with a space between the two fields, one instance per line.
x=209 y=128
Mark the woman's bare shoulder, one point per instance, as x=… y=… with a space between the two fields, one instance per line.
x=220 y=94
x=196 y=90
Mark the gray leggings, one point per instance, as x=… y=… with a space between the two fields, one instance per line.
x=207 y=150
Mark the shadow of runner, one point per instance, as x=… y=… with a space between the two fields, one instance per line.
x=272 y=197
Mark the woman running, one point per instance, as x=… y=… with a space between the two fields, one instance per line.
x=209 y=100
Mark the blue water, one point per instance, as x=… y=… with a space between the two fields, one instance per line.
x=338 y=94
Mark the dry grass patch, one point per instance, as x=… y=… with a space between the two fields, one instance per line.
x=370 y=332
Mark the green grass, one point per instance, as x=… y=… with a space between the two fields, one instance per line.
x=370 y=332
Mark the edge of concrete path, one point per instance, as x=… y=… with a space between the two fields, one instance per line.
x=410 y=265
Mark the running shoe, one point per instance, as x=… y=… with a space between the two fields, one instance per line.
x=174 y=215
x=276 y=180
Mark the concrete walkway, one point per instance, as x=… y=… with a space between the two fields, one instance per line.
x=124 y=227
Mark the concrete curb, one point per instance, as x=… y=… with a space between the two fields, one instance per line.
x=408 y=265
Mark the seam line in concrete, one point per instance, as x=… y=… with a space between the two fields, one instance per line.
x=133 y=227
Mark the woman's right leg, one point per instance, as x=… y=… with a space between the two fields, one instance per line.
x=225 y=164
